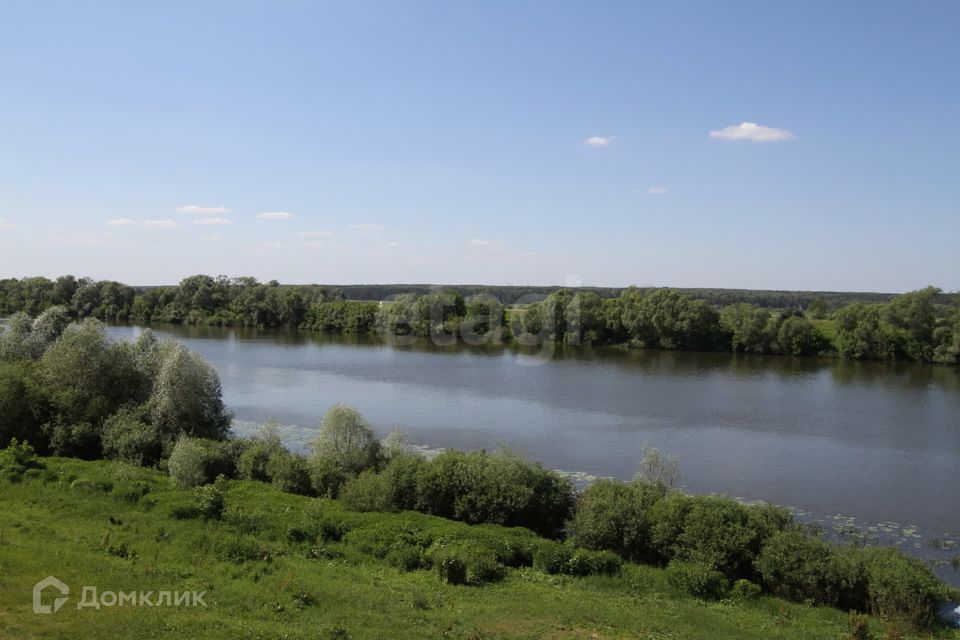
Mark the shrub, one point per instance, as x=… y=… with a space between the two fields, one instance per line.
x=290 y=473
x=130 y=490
x=615 y=516
x=188 y=463
x=23 y=403
x=450 y=568
x=127 y=437
x=859 y=626
x=239 y=550
x=499 y=488
x=367 y=492
x=697 y=578
x=463 y=563
x=195 y=461
x=79 y=440
x=556 y=558
x=552 y=558
x=396 y=443
x=326 y=476
x=17 y=459
x=902 y=587
x=379 y=540
x=584 y=562
x=252 y=463
x=744 y=590
x=223 y=457
x=212 y=500
x=801 y=568
x=408 y=558
x=400 y=476
x=711 y=529
x=347 y=438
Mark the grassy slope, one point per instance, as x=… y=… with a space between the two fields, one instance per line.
x=53 y=526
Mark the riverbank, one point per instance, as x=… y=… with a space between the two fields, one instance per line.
x=940 y=550
x=259 y=580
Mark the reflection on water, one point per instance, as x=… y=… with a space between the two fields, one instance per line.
x=878 y=441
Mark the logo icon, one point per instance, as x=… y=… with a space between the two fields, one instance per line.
x=38 y=589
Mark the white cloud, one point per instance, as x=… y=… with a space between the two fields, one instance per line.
x=334 y=246
x=143 y=224
x=526 y=254
x=272 y=245
x=199 y=210
x=598 y=141
x=394 y=245
x=367 y=226
x=752 y=132
x=275 y=215
x=322 y=233
x=6 y=225
x=656 y=191
x=213 y=221
x=213 y=238
x=160 y=224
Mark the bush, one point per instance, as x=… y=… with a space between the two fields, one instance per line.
x=408 y=558
x=552 y=558
x=212 y=499
x=290 y=473
x=711 y=529
x=195 y=461
x=615 y=516
x=130 y=490
x=800 y=568
x=462 y=563
x=500 y=488
x=23 y=404
x=381 y=539
x=79 y=440
x=127 y=437
x=902 y=587
x=188 y=463
x=252 y=463
x=697 y=578
x=859 y=626
x=744 y=590
x=347 y=438
x=584 y=562
x=367 y=492
x=400 y=476
x=327 y=476
x=17 y=459
x=556 y=558
x=239 y=550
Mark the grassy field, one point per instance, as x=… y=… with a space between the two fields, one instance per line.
x=273 y=567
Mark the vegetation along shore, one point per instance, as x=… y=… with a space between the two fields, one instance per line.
x=922 y=326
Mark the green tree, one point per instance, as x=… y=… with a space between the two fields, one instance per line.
x=187 y=397
x=24 y=406
x=748 y=326
x=347 y=439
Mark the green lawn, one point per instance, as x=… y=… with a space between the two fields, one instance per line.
x=85 y=523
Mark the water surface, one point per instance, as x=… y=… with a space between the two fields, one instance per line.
x=853 y=443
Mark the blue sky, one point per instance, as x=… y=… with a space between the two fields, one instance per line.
x=484 y=142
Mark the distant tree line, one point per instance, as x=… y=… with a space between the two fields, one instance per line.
x=922 y=325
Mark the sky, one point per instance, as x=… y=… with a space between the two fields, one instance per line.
x=806 y=145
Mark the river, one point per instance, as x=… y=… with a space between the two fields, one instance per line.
x=863 y=448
